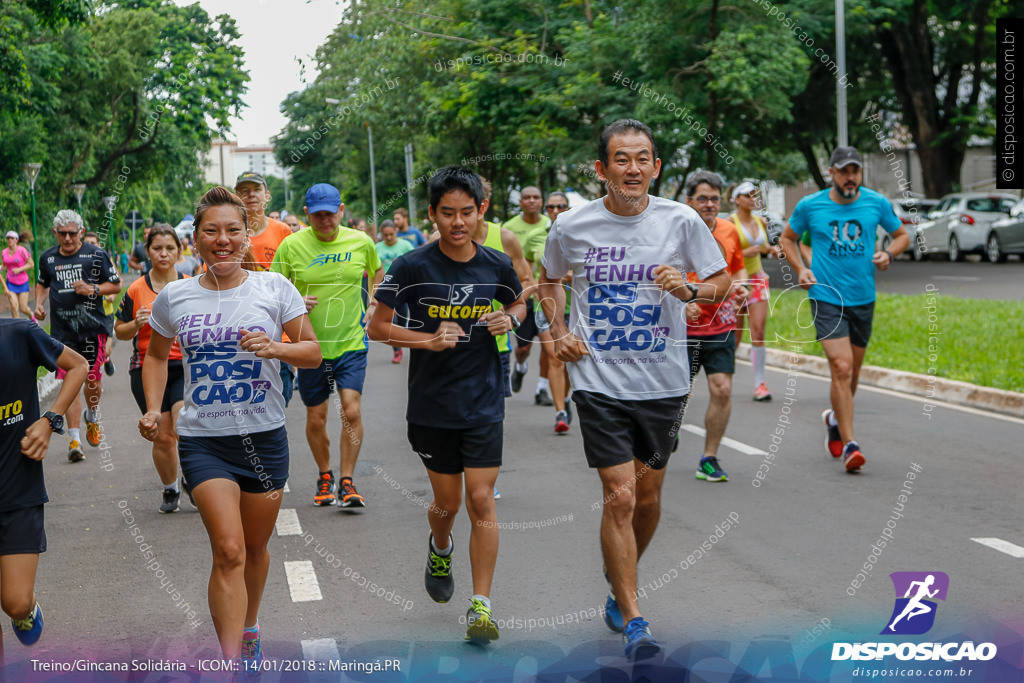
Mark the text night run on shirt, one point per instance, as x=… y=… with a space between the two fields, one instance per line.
x=211 y=350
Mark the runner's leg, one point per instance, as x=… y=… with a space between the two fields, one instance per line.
x=840 y=360
x=219 y=503
x=447 y=490
x=259 y=515
x=316 y=436
x=648 y=505
x=17 y=584
x=719 y=410
x=618 y=542
x=483 y=537
x=351 y=430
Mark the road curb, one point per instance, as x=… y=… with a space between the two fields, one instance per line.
x=928 y=387
x=47 y=385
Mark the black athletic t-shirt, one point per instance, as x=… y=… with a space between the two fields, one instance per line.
x=75 y=317
x=25 y=348
x=142 y=256
x=460 y=387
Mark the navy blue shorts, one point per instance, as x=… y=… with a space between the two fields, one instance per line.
x=21 y=531
x=506 y=372
x=348 y=371
x=836 y=322
x=174 y=390
x=256 y=461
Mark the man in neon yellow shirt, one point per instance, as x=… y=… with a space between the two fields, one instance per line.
x=326 y=264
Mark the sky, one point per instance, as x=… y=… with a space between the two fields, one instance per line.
x=275 y=34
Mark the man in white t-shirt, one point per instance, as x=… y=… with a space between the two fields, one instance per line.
x=625 y=345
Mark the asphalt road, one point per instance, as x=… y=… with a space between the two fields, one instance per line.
x=971 y=279
x=785 y=567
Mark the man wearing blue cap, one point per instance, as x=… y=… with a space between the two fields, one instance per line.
x=326 y=264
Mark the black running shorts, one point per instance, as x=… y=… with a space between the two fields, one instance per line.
x=616 y=431
x=450 y=451
x=716 y=354
x=835 y=322
x=21 y=531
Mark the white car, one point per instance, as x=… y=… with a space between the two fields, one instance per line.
x=960 y=224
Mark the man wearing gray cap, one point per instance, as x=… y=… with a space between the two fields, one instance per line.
x=842 y=221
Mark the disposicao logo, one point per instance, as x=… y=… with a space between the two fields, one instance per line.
x=914 y=614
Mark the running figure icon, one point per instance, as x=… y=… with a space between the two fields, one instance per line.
x=915 y=607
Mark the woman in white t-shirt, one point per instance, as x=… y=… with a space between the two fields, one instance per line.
x=232 y=444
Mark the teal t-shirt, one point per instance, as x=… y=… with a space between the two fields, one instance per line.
x=389 y=254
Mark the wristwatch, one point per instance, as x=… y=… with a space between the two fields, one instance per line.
x=516 y=322
x=95 y=290
x=56 y=421
x=693 y=290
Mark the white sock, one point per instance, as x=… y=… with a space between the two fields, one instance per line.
x=521 y=367
x=443 y=553
x=74 y=433
x=92 y=415
x=757 y=355
x=543 y=383
x=173 y=486
x=484 y=599
x=832 y=419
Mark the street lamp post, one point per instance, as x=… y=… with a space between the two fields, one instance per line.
x=841 y=123
x=79 y=190
x=109 y=202
x=373 y=178
x=32 y=172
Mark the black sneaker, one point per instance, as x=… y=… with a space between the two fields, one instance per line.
x=109 y=368
x=543 y=398
x=170 y=503
x=438 y=578
x=517 y=378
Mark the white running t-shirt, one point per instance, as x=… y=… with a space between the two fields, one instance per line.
x=635 y=333
x=227 y=390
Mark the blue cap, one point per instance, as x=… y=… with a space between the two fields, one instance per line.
x=323 y=197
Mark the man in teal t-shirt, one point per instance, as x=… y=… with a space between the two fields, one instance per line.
x=389 y=248
x=326 y=264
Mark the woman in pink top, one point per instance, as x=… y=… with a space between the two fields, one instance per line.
x=17 y=261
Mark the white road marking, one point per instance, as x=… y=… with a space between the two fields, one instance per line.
x=302 y=581
x=1002 y=546
x=286 y=489
x=321 y=650
x=959 y=278
x=897 y=394
x=726 y=441
x=288 y=523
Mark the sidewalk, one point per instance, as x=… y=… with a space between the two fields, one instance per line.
x=928 y=387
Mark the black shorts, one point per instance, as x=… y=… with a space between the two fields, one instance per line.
x=835 y=322
x=716 y=354
x=615 y=431
x=449 y=451
x=528 y=330
x=256 y=461
x=506 y=371
x=21 y=531
x=174 y=391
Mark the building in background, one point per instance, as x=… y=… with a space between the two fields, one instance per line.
x=226 y=160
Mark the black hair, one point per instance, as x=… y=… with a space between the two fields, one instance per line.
x=388 y=223
x=622 y=126
x=451 y=178
x=706 y=177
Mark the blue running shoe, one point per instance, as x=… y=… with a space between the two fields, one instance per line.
x=709 y=470
x=613 y=615
x=640 y=644
x=252 y=651
x=30 y=628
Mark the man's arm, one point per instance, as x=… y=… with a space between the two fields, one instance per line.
x=382 y=329
x=523 y=268
x=901 y=240
x=42 y=293
x=791 y=249
x=37 y=437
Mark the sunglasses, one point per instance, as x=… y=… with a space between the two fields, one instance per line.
x=66 y=233
x=560 y=207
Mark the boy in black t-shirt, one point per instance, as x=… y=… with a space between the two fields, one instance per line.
x=24 y=438
x=456 y=391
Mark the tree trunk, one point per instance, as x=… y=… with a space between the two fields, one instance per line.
x=812 y=165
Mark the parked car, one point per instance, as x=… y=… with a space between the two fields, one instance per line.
x=1006 y=235
x=960 y=224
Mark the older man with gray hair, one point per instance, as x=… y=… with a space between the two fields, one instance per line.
x=75 y=276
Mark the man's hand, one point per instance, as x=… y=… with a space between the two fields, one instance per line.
x=670 y=280
x=83 y=288
x=570 y=348
x=36 y=439
x=882 y=260
x=369 y=313
x=807 y=278
x=740 y=293
x=40 y=311
x=149 y=424
x=692 y=312
x=498 y=322
x=310 y=302
x=447 y=336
